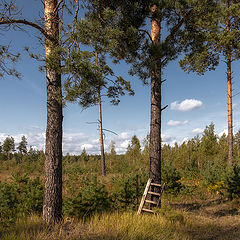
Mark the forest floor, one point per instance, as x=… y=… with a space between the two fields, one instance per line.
x=193 y=219
x=210 y=219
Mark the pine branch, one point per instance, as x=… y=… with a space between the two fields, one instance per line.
x=58 y=5
x=178 y=26
x=142 y=30
x=77 y=9
x=28 y=23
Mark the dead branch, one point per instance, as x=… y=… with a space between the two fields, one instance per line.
x=28 y=23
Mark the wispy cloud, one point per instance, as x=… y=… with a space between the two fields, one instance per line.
x=186 y=105
x=197 y=131
x=74 y=143
x=225 y=131
x=176 y=123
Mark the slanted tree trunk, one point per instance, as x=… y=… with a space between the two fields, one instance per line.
x=52 y=205
x=155 y=125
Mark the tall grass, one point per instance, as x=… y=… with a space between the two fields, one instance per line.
x=124 y=226
x=169 y=225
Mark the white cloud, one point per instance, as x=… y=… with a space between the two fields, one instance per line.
x=186 y=105
x=197 y=131
x=87 y=146
x=124 y=135
x=184 y=140
x=222 y=132
x=166 y=139
x=234 y=106
x=176 y=123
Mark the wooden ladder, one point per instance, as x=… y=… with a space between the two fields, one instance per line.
x=147 y=192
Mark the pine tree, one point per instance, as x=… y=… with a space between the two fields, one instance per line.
x=94 y=78
x=22 y=146
x=52 y=206
x=8 y=146
x=134 y=149
x=7 y=58
x=218 y=35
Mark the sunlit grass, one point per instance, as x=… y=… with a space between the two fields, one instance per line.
x=168 y=224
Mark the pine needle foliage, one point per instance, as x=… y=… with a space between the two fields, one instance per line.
x=89 y=70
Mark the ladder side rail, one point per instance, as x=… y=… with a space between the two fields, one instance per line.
x=144 y=196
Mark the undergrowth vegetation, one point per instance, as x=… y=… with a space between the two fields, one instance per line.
x=194 y=172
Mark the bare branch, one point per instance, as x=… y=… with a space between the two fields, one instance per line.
x=110 y=131
x=164 y=108
x=25 y=22
x=92 y=122
x=58 y=5
x=145 y=31
x=77 y=9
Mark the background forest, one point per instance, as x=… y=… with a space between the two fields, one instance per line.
x=195 y=169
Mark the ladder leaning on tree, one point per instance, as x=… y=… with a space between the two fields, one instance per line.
x=148 y=192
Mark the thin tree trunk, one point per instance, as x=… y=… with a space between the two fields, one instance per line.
x=229 y=90
x=52 y=205
x=155 y=125
x=100 y=127
x=230 y=121
x=101 y=134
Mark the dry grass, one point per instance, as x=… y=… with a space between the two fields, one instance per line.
x=203 y=224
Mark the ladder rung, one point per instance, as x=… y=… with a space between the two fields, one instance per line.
x=154 y=193
x=147 y=210
x=156 y=185
x=148 y=201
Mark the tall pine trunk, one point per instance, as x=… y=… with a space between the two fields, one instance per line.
x=52 y=205
x=229 y=91
x=230 y=120
x=155 y=125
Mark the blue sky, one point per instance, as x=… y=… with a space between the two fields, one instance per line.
x=194 y=102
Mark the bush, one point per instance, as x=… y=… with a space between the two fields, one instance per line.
x=233 y=182
x=92 y=198
x=22 y=196
x=214 y=172
x=127 y=189
x=171 y=177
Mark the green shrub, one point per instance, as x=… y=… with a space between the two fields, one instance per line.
x=92 y=198
x=213 y=172
x=22 y=196
x=8 y=203
x=127 y=189
x=233 y=182
x=171 y=177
